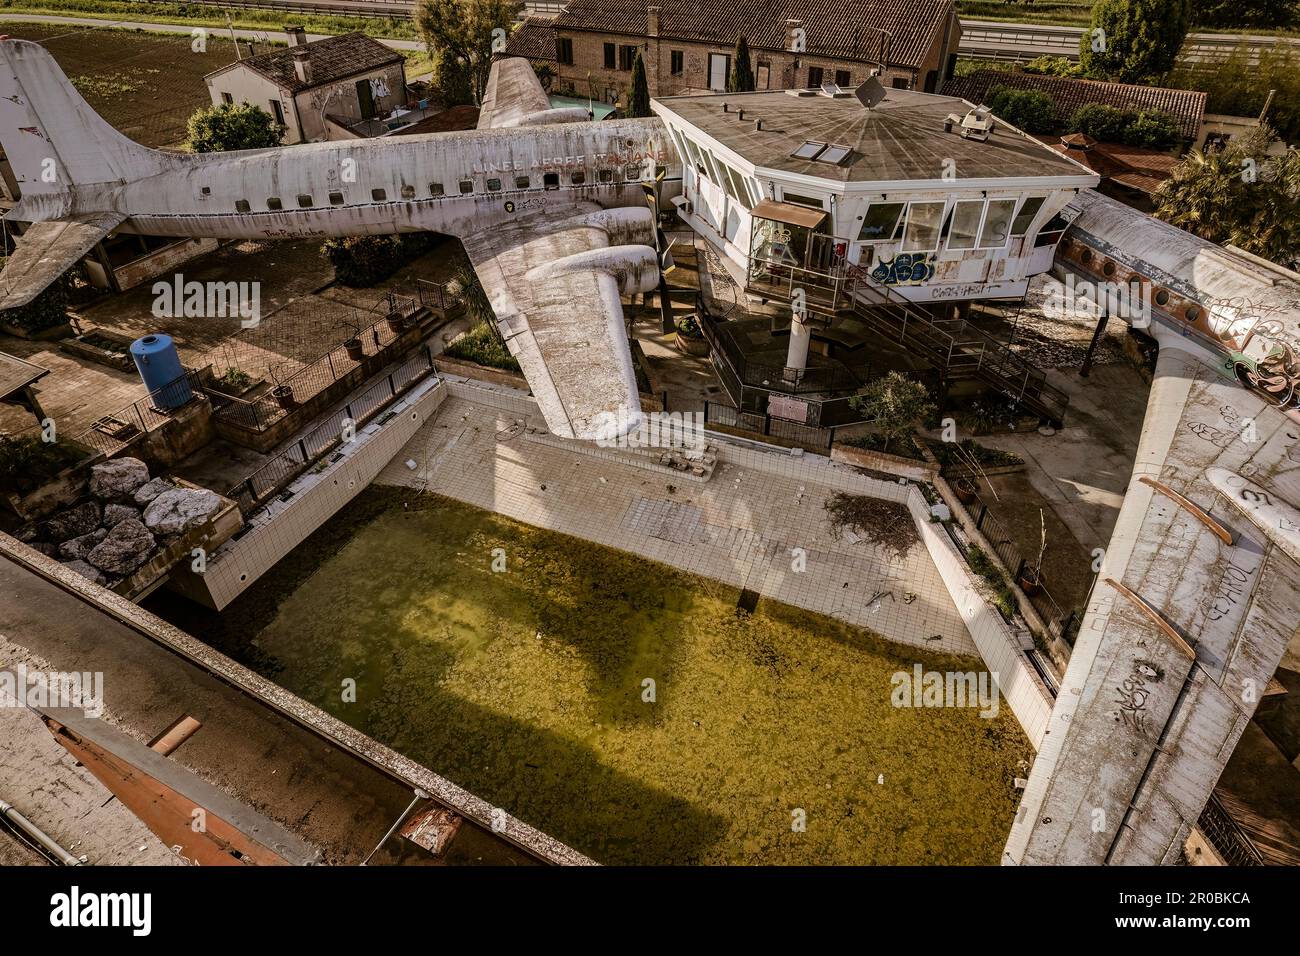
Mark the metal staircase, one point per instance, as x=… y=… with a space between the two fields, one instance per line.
x=957 y=349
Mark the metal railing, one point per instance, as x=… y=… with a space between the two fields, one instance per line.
x=109 y=434
x=806 y=436
x=259 y=414
x=437 y=295
x=1227 y=837
x=277 y=472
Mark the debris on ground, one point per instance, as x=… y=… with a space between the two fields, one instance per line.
x=886 y=524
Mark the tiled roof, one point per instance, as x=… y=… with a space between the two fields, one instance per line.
x=848 y=30
x=534 y=39
x=1133 y=166
x=332 y=59
x=1187 y=107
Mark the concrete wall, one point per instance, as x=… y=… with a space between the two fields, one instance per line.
x=282 y=525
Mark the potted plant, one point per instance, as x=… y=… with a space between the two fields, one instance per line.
x=356 y=351
x=396 y=320
x=282 y=393
x=965 y=490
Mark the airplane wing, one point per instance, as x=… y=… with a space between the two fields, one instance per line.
x=514 y=97
x=554 y=278
x=46 y=251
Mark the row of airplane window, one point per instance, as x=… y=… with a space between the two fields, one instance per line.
x=631 y=173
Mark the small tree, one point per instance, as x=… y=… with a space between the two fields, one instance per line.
x=741 y=77
x=232 y=126
x=451 y=80
x=1134 y=41
x=638 y=101
x=896 y=404
x=468 y=32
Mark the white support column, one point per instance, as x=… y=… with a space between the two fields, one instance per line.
x=796 y=357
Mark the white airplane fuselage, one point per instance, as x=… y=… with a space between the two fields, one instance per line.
x=375 y=186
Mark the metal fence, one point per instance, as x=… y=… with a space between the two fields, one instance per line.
x=111 y=433
x=313 y=378
x=274 y=474
x=1229 y=840
x=813 y=439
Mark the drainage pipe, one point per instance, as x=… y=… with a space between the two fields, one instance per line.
x=11 y=814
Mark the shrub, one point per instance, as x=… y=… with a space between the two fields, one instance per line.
x=482 y=346
x=363 y=261
x=232 y=126
x=1053 y=66
x=27 y=462
x=895 y=403
x=48 y=310
x=1004 y=598
x=1031 y=110
x=1153 y=129
x=1099 y=121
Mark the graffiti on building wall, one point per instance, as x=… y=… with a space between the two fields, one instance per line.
x=904 y=268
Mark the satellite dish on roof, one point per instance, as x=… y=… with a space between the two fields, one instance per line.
x=870 y=93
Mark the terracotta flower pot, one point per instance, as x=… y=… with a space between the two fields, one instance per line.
x=1030 y=581
x=283 y=395
x=356 y=351
x=964 y=488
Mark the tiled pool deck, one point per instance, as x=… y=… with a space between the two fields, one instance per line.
x=739 y=528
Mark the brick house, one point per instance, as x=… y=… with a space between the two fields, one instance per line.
x=687 y=45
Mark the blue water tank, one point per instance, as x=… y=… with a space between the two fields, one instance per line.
x=160 y=370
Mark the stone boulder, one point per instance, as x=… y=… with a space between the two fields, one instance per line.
x=115 y=514
x=82 y=546
x=86 y=571
x=126 y=547
x=151 y=490
x=179 y=510
x=117 y=479
x=72 y=523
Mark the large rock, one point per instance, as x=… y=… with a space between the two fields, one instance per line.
x=126 y=547
x=72 y=523
x=151 y=490
x=86 y=571
x=117 y=479
x=179 y=510
x=82 y=546
x=115 y=514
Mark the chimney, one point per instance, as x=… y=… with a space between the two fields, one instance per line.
x=652 y=21
x=796 y=37
x=302 y=64
x=297 y=35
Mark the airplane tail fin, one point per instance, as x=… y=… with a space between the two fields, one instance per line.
x=53 y=139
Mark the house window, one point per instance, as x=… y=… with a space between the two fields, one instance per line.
x=609 y=56
x=677 y=62
x=923 y=221
x=719 y=69
x=997 y=224
x=378 y=195
x=762 y=75
x=241 y=205
x=1028 y=210
x=815 y=76
x=277 y=111
x=965 y=224
x=900 y=83
x=408 y=192
x=466 y=186
x=274 y=203
x=798 y=200
x=435 y=189
x=494 y=185
x=626 y=57
x=842 y=78
x=304 y=201
x=522 y=182
x=578 y=177
x=336 y=199
x=564 y=51
x=551 y=180
x=227 y=98
x=880 y=221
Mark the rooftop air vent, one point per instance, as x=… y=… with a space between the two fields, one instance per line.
x=976 y=124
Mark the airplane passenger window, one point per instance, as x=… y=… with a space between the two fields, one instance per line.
x=577 y=178
x=378 y=195
x=466 y=186
x=606 y=175
x=633 y=173
x=408 y=192
x=241 y=205
x=551 y=180
x=336 y=199
x=494 y=185
x=304 y=201
x=274 y=203
x=521 y=182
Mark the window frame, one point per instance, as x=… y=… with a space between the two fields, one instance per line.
x=937 y=228
x=886 y=235
x=975 y=233
x=983 y=242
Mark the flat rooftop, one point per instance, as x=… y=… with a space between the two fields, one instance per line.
x=902 y=139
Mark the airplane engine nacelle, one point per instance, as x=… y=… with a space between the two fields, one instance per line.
x=634 y=267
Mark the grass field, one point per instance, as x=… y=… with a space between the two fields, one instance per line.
x=527 y=687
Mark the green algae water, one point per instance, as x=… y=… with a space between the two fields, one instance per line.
x=530 y=687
